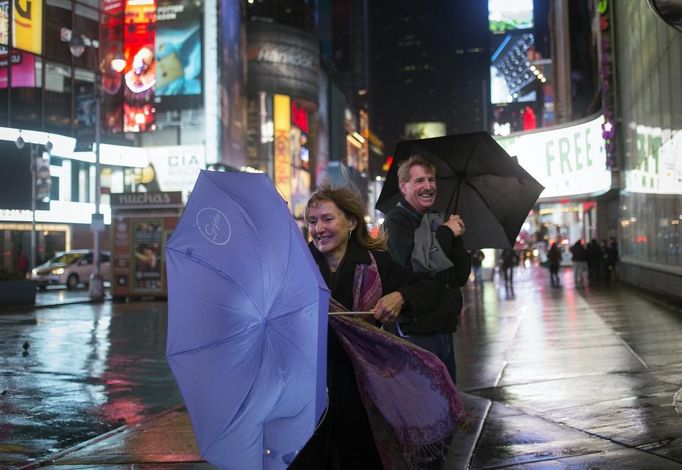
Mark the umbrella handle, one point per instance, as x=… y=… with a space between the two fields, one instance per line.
x=351 y=313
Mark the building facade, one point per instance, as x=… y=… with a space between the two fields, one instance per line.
x=648 y=63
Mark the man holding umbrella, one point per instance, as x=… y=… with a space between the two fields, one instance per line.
x=420 y=240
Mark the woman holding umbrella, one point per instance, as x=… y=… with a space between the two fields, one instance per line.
x=361 y=276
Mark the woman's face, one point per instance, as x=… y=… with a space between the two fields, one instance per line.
x=329 y=228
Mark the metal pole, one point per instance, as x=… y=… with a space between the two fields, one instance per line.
x=96 y=282
x=33 y=207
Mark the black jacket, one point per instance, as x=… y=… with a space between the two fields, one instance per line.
x=400 y=224
x=344 y=439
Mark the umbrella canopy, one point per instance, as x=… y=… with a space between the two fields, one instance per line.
x=247 y=323
x=476 y=179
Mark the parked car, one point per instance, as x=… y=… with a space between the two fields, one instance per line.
x=70 y=268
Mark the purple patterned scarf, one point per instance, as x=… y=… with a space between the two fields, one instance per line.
x=412 y=404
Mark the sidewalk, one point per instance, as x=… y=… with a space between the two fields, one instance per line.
x=168 y=440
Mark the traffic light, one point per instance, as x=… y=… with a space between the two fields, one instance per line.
x=43 y=179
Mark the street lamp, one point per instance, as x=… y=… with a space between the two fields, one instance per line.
x=77 y=47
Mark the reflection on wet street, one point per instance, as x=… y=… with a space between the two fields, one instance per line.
x=74 y=372
x=552 y=378
x=601 y=362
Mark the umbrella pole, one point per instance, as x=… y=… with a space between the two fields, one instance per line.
x=455 y=196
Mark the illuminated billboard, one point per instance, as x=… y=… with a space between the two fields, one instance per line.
x=568 y=160
x=283 y=170
x=178 y=49
x=23 y=69
x=424 y=130
x=140 y=70
x=506 y=15
x=27 y=32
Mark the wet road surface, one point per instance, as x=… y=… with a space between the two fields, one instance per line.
x=586 y=378
x=71 y=373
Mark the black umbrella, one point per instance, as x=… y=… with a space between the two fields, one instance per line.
x=476 y=179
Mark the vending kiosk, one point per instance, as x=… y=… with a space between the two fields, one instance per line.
x=140 y=225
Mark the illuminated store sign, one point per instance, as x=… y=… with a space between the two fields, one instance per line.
x=606 y=74
x=282 y=121
x=658 y=165
x=566 y=161
x=176 y=168
x=283 y=60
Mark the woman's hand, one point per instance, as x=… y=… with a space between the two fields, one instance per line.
x=388 y=307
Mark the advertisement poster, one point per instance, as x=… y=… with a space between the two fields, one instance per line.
x=178 y=49
x=111 y=37
x=147 y=238
x=4 y=25
x=28 y=25
x=85 y=116
x=140 y=70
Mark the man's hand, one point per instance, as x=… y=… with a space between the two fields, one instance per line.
x=388 y=307
x=456 y=224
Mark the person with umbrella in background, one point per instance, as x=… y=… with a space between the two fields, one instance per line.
x=414 y=229
x=361 y=276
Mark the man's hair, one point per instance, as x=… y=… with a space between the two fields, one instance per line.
x=348 y=200
x=405 y=167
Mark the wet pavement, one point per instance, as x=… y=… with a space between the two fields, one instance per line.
x=586 y=378
x=74 y=372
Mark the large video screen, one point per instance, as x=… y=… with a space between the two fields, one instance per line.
x=511 y=77
x=140 y=70
x=509 y=15
x=178 y=48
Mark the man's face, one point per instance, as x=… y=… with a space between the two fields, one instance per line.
x=420 y=190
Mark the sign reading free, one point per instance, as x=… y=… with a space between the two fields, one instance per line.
x=565 y=160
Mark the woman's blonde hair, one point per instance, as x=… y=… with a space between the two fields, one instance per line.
x=349 y=202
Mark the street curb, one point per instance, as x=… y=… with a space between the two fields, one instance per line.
x=5 y=309
x=53 y=458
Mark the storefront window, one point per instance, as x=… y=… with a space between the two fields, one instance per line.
x=58 y=15
x=650 y=228
x=57 y=98
x=85 y=23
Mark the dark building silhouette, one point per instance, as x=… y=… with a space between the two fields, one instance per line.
x=428 y=64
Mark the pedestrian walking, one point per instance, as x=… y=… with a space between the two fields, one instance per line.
x=414 y=229
x=345 y=253
x=477 y=258
x=554 y=258
x=509 y=259
x=593 y=261
x=579 y=263
x=22 y=265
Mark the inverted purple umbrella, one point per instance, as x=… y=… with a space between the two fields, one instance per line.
x=247 y=323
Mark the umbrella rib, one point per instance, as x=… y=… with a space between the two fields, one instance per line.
x=217 y=270
x=217 y=342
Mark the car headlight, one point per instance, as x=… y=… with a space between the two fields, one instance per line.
x=58 y=271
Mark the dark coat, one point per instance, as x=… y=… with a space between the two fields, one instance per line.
x=344 y=439
x=400 y=224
